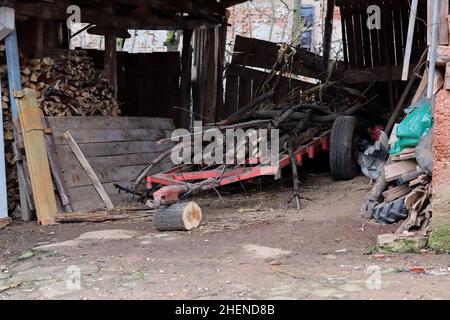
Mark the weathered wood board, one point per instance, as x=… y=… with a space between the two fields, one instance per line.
x=396 y=170
x=33 y=136
x=117 y=148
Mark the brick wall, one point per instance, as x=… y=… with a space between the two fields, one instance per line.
x=440 y=238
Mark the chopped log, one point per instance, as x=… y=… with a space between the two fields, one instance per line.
x=178 y=217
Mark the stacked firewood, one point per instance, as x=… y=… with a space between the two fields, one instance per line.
x=407 y=195
x=8 y=132
x=66 y=84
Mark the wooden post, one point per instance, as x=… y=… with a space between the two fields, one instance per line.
x=296 y=21
x=199 y=80
x=186 y=79
x=328 y=34
x=433 y=47
x=111 y=60
x=409 y=39
x=387 y=37
x=33 y=136
x=220 y=72
x=39 y=39
x=212 y=65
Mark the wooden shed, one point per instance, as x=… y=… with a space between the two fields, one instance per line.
x=157 y=91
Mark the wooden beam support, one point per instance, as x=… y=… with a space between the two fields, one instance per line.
x=328 y=34
x=111 y=61
x=186 y=79
x=387 y=40
x=39 y=39
x=409 y=39
x=57 y=11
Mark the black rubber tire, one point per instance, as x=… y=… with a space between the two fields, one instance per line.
x=343 y=147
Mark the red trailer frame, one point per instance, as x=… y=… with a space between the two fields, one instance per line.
x=177 y=182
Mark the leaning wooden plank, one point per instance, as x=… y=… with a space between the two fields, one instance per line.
x=56 y=171
x=88 y=217
x=396 y=170
x=409 y=39
x=90 y=172
x=420 y=92
x=30 y=117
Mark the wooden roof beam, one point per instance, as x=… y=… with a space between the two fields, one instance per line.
x=230 y=3
x=56 y=11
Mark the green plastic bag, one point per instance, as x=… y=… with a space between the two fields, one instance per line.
x=416 y=124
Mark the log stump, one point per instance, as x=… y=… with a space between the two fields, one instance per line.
x=178 y=217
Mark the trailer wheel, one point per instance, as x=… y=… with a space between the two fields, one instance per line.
x=343 y=148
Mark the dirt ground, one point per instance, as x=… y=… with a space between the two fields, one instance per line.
x=251 y=245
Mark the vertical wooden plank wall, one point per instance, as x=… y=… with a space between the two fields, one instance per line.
x=366 y=49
